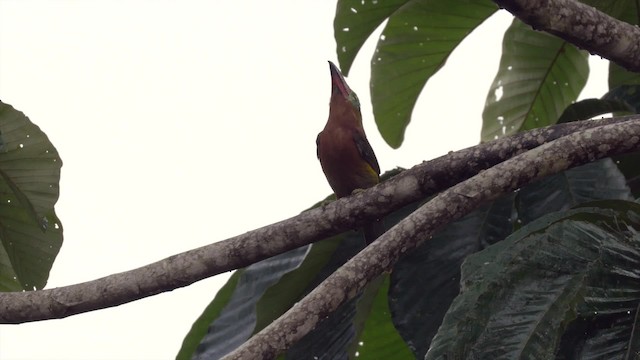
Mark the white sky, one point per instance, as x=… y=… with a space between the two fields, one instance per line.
x=181 y=123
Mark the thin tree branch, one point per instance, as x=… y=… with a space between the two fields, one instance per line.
x=569 y=151
x=582 y=25
x=240 y=251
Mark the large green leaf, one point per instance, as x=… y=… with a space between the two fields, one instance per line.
x=539 y=76
x=295 y=284
x=520 y=296
x=419 y=302
x=602 y=337
x=619 y=76
x=589 y=108
x=620 y=9
x=333 y=338
x=622 y=99
x=213 y=310
x=30 y=231
x=8 y=277
x=354 y=22
x=425 y=282
x=235 y=323
x=629 y=95
x=599 y=180
x=379 y=339
x=360 y=328
x=414 y=44
x=628 y=163
x=633 y=349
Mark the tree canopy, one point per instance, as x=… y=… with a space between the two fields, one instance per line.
x=523 y=246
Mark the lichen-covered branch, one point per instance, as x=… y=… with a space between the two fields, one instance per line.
x=186 y=268
x=583 y=26
x=561 y=154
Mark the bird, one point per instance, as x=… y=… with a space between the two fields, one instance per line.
x=346 y=157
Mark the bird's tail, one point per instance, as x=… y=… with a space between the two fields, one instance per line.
x=373 y=230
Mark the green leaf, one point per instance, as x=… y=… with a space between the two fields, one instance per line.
x=210 y=313
x=8 y=277
x=380 y=339
x=589 y=108
x=594 y=181
x=633 y=351
x=628 y=95
x=332 y=337
x=30 y=231
x=519 y=296
x=628 y=163
x=625 y=10
x=415 y=43
x=608 y=337
x=354 y=22
x=539 y=76
x=236 y=322
x=416 y=313
x=619 y=76
x=294 y=285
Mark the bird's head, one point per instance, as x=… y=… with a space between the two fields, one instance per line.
x=344 y=101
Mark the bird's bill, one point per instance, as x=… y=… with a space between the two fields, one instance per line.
x=338 y=82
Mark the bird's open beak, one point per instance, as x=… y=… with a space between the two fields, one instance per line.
x=337 y=81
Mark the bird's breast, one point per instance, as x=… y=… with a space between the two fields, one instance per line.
x=342 y=163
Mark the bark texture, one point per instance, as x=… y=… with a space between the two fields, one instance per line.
x=583 y=26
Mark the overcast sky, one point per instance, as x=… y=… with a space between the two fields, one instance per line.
x=181 y=123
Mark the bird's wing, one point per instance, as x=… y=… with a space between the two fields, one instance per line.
x=318 y=146
x=365 y=150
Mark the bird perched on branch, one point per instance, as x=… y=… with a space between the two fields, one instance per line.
x=345 y=154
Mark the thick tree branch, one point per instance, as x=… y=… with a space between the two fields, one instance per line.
x=573 y=150
x=188 y=267
x=582 y=25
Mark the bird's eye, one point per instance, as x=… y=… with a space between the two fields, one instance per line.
x=354 y=99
